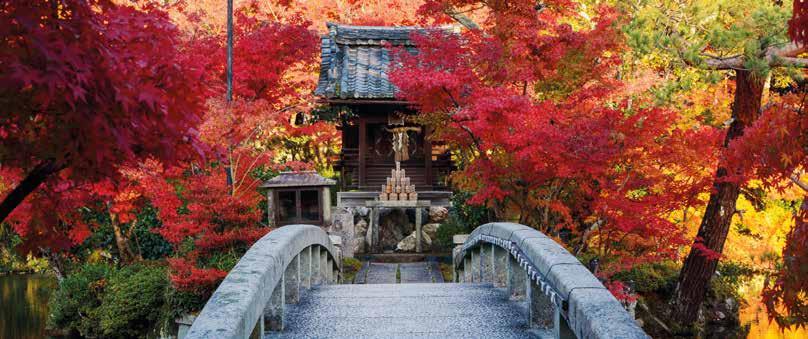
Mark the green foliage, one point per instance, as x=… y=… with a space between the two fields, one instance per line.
x=224 y=261
x=651 y=278
x=671 y=36
x=74 y=302
x=463 y=218
x=131 y=301
x=179 y=303
x=452 y=226
x=729 y=277
x=99 y=301
x=8 y=240
x=149 y=244
x=350 y=266
x=468 y=215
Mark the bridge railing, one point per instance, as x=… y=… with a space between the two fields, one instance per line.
x=563 y=296
x=252 y=297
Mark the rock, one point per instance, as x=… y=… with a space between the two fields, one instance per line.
x=394 y=225
x=459 y=239
x=359 y=245
x=343 y=226
x=408 y=243
x=431 y=229
x=438 y=214
x=361 y=227
x=362 y=211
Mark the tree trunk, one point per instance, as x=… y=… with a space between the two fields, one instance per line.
x=122 y=242
x=694 y=279
x=36 y=177
x=55 y=263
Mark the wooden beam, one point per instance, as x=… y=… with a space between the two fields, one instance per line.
x=363 y=101
x=363 y=149
x=428 y=156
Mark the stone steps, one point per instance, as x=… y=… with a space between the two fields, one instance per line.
x=418 y=310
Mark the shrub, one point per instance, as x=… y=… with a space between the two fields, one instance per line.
x=452 y=226
x=654 y=277
x=179 y=303
x=76 y=299
x=469 y=215
x=350 y=267
x=132 y=300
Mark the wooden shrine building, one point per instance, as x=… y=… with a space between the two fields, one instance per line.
x=354 y=80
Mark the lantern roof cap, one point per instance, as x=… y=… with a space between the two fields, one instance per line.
x=298 y=179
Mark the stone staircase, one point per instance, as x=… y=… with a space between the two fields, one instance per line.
x=413 y=310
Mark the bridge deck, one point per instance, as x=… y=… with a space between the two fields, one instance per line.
x=420 y=310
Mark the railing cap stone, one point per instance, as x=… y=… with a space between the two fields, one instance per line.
x=593 y=311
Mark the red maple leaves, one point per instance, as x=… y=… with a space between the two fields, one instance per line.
x=554 y=142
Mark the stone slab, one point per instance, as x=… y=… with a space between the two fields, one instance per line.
x=379 y=273
x=415 y=273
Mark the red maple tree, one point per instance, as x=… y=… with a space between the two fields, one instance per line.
x=88 y=87
x=550 y=136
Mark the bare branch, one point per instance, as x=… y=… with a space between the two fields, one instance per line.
x=788 y=61
x=735 y=62
x=791 y=49
x=461 y=18
x=798 y=182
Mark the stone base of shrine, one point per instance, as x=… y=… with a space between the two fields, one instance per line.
x=396 y=222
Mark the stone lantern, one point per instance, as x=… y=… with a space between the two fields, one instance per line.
x=298 y=198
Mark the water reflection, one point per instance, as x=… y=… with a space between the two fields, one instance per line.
x=24 y=305
x=755 y=315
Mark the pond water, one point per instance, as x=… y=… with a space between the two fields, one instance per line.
x=754 y=314
x=24 y=305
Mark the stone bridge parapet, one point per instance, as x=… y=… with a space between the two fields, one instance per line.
x=564 y=298
x=271 y=274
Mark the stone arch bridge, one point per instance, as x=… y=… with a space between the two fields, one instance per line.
x=511 y=281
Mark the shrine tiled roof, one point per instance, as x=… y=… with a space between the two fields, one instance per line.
x=298 y=179
x=355 y=61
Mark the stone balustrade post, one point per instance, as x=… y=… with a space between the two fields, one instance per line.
x=273 y=311
x=475 y=265
x=467 y=269
x=316 y=270
x=541 y=310
x=305 y=267
x=500 y=259
x=292 y=279
x=324 y=268
x=329 y=270
x=487 y=263
x=517 y=280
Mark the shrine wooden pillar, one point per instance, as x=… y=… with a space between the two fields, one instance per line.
x=428 y=156
x=363 y=149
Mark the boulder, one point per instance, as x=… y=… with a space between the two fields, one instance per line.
x=438 y=214
x=431 y=229
x=394 y=225
x=359 y=245
x=408 y=243
x=343 y=226
x=361 y=227
x=362 y=211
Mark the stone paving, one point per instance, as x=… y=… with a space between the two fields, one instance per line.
x=400 y=311
x=391 y=273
